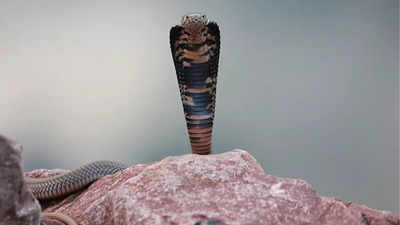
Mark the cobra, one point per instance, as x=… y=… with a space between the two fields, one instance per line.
x=195 y=46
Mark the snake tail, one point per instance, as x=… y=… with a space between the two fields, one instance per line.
x=195 y=47
x=59 y=217
x=64 y=184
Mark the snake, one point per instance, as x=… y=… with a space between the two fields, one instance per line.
x=67 y=183
x=195 y=47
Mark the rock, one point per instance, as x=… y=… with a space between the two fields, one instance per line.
x=229 y=188
x=17 y=205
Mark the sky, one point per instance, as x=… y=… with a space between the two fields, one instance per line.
x=309 y=88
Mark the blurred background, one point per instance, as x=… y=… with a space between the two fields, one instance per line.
x=309 y=88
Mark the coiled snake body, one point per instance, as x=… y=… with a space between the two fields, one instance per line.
x=195 y=46
x=67 y=183
x=64 y=184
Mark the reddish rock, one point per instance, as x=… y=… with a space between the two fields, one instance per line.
x=17 y=205
x=229 y=188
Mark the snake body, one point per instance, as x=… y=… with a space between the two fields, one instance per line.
x=67 y=183
x=195 y=47
x=64 y=184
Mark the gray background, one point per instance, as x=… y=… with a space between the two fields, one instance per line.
x=310 y=88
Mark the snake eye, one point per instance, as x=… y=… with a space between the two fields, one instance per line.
x=184 y=19
x=204 y=19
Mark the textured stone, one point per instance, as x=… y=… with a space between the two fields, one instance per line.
x=229 y=188
x=17 y=205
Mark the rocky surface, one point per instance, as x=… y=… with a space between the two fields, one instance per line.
x=224 y=189
x=17 y=205
x=229 y=188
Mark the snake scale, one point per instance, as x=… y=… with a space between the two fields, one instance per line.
x=195 y=47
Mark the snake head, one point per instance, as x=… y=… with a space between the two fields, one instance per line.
x=195 y=27
x=194 y=18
